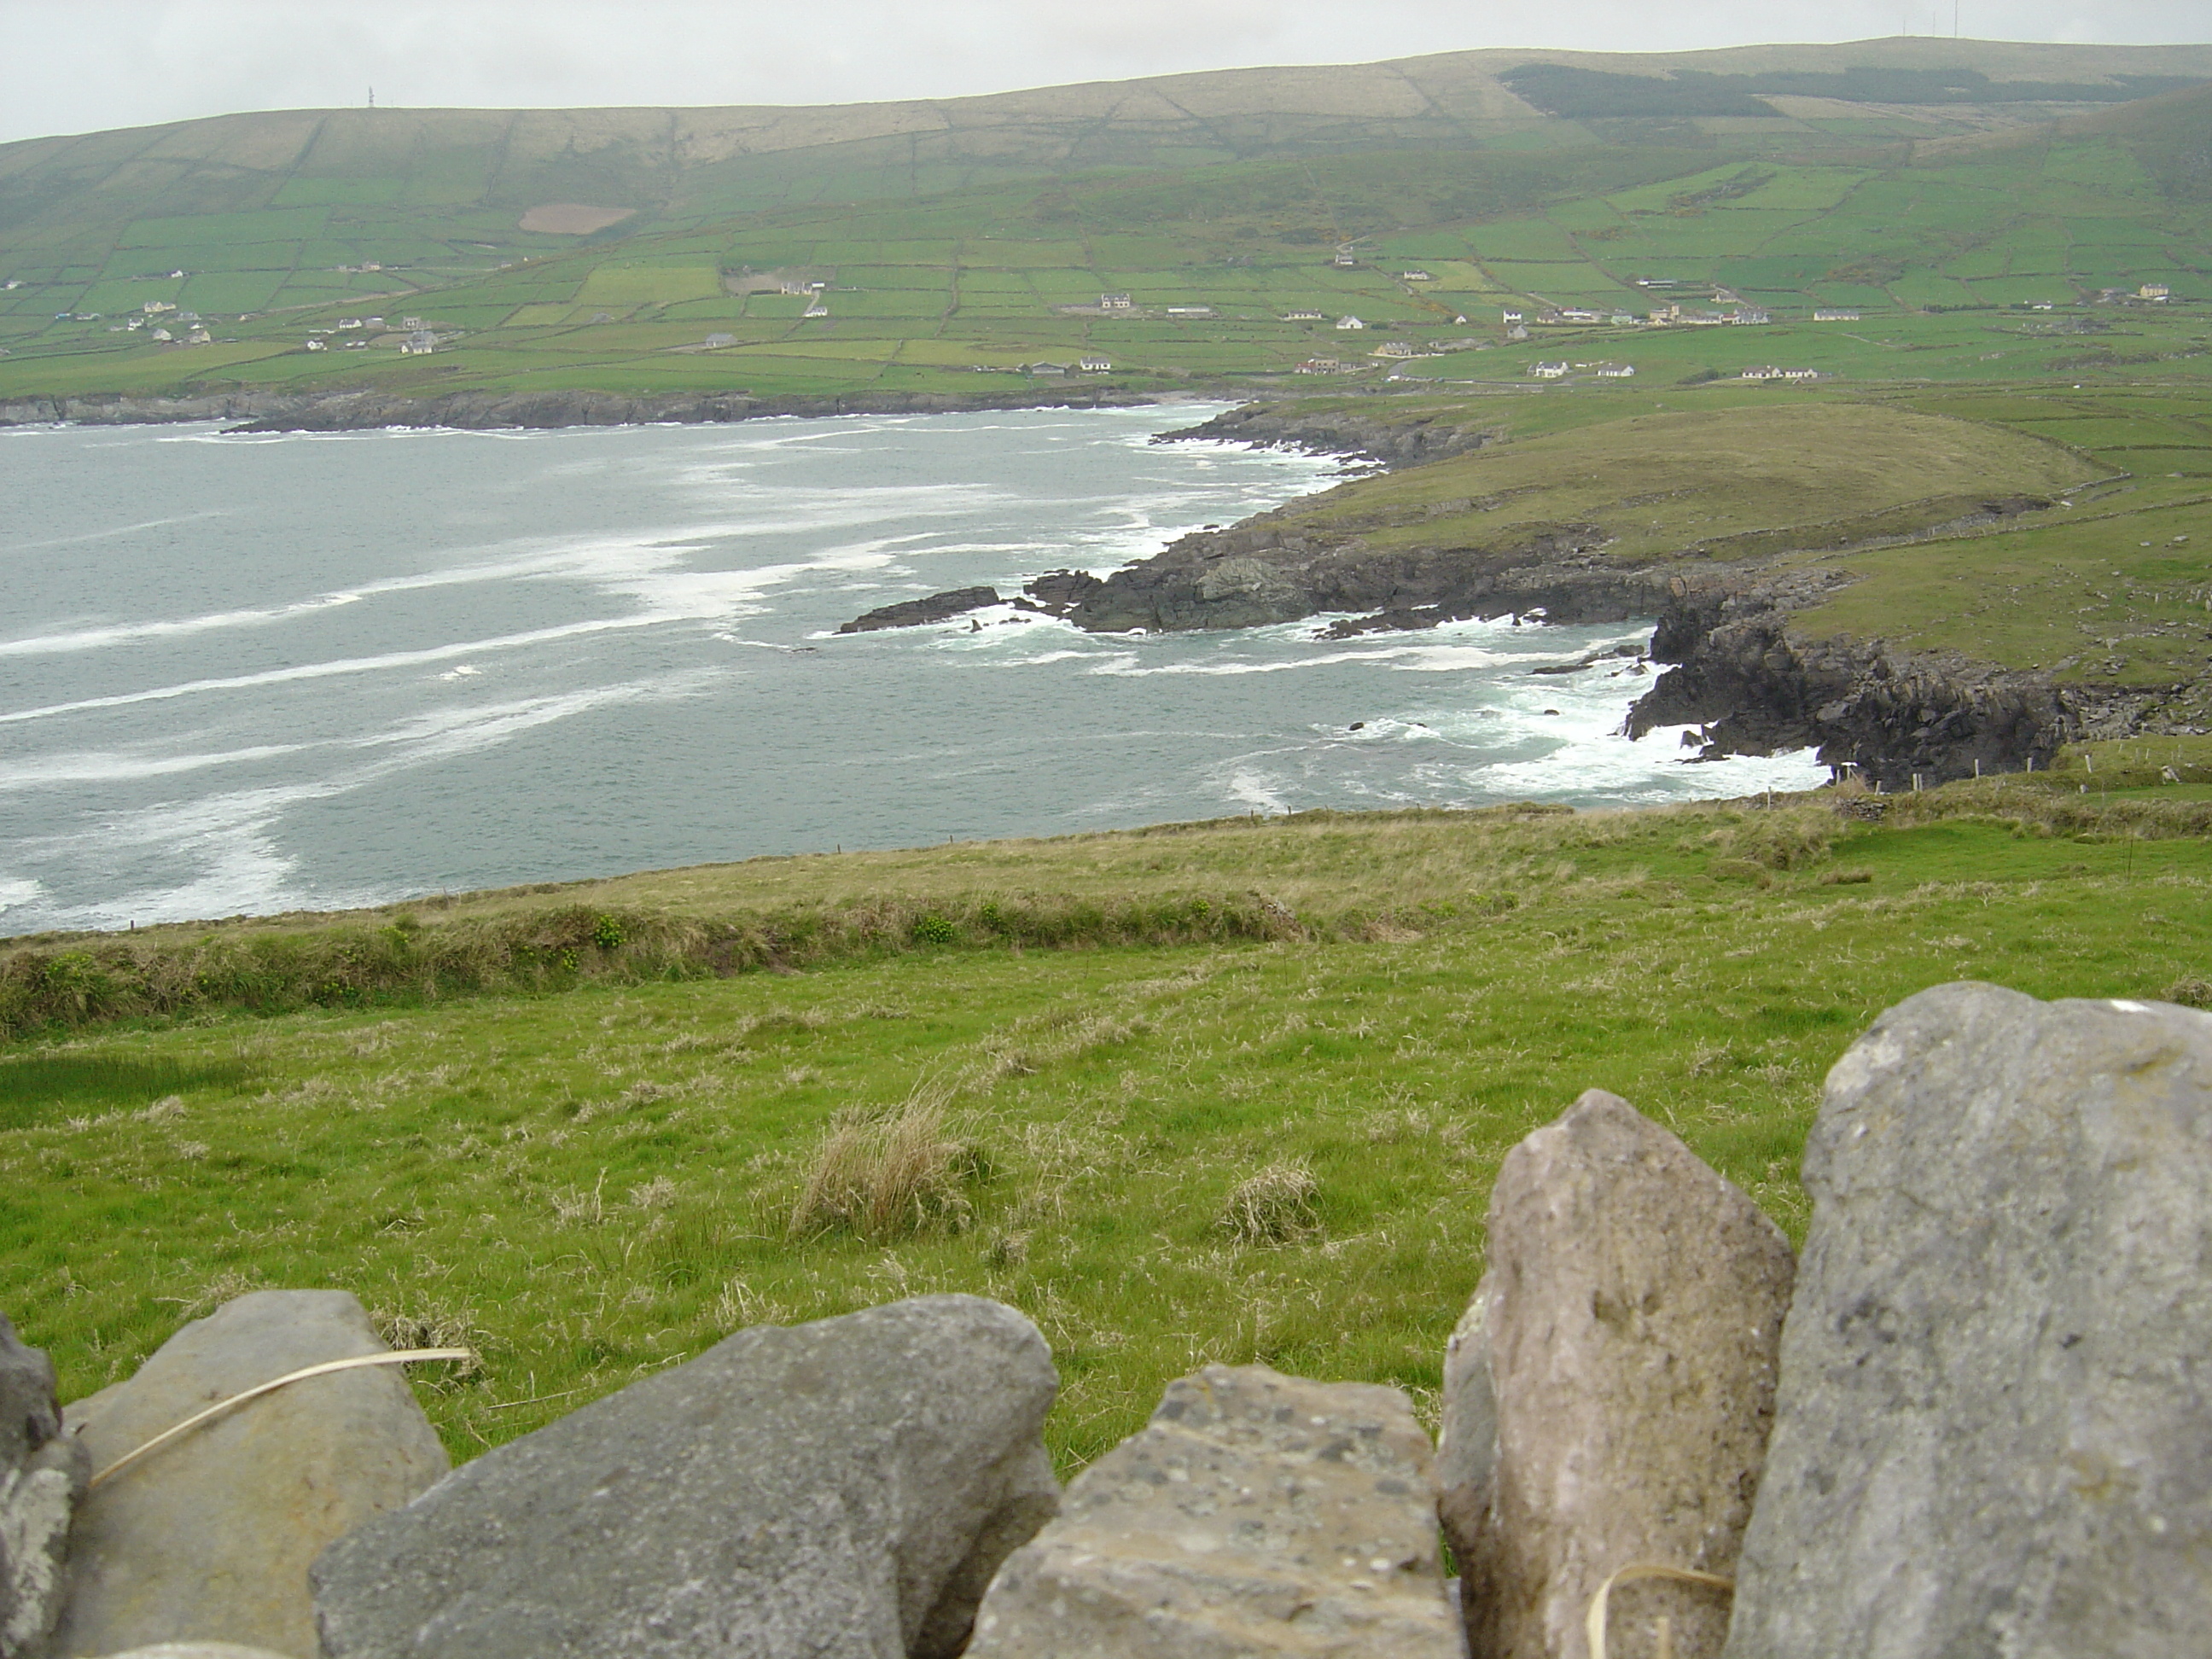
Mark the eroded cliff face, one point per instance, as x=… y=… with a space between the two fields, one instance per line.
x=1755 y=686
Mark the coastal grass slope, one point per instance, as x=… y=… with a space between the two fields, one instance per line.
x=588 y=1181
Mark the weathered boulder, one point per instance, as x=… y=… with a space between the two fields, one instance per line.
x=842 y=1490
x=209 y=1538
x=42 y=1476
x=1256 y=1514
x=1993 y=1433
x=1608 y=1393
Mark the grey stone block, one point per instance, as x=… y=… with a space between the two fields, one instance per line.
x=42 y=1477
x=209 y=1538
x=842 y=1490
x=1258 y=1515
x=1608 y=1394
x=1993 y=1433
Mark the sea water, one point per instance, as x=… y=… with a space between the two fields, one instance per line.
x=249 y=673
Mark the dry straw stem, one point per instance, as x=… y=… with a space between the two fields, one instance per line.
x=1595 y=1624
x=888 y=1176
x=1273 y=1205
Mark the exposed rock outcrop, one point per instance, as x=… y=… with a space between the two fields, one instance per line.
x=1432 y=437
x=209 y=1538
x=1755 y=686
x=1993 y=1430
x=1257 y=1514
x=917 y=613
x=42 y=1479
x=1608 y=1396
x=841 y=1490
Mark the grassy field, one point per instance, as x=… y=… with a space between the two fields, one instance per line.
x=1272 y=1148
x=1709 y=481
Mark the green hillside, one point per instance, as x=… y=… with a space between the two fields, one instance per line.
x=603 y=248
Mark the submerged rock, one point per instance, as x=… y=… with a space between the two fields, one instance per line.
x=1993 y=1433
x=1608 y=1393
x=842 y=1490
x=1257 y=1514
x=209 y=1538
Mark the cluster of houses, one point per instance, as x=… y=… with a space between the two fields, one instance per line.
x=1558 y=371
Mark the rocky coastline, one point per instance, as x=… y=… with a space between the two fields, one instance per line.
x=1734 y=667
x=360 y=409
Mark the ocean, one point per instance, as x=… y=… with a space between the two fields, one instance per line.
x=242 y=674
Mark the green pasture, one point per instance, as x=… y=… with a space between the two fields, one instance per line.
x=598 y=1177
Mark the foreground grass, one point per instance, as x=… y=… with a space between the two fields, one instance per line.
x=590 y=1183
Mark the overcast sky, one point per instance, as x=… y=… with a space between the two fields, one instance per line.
x=81 y=65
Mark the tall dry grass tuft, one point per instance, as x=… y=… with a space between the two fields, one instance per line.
x=888 y=1176
x=1273 y=1207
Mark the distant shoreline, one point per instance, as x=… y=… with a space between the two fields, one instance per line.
x=477 y=412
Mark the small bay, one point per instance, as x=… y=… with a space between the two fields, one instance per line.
x=244 y=674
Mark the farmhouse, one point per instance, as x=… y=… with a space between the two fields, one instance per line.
x=1549 y=371
x=1301 y=317
x=1616 y=371
x=815 y=308
x=1190 y=311
x=1117 y=302
x=1350 y=322
x=714 y=341
x=1751 y=315
x=1577 y=315
x=1834 y=314
x=1095 y=365
x=1346 y=260
x=1395 y=348
x=420 y=344
x=1415 y=276
x=2157 y=293
x=1318 y=366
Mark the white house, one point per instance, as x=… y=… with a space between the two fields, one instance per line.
x=1395 y=349
x=2154 y=291
x=1550 y=371
x=1616 y=371
x=1350 y=322
x=1190 y=311
x=714 y=342
x=1415 y=276
x=1509 y=318
x=420 y=343
x=1834 y=314
x=1318 y=366
x=815 y=308
x=1117 y=302
x=1096 y=365
x=1301 y=317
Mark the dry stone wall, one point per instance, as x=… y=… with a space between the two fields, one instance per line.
x=1978 y=1423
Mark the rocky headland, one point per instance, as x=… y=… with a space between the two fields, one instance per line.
x=1736 y=669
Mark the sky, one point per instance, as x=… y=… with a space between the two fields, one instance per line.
x=84 y=65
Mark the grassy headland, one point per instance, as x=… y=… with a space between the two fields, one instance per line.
x=595 y=1174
